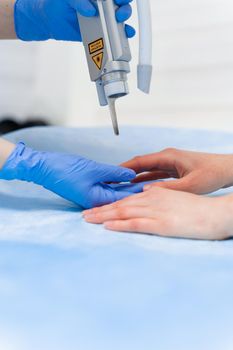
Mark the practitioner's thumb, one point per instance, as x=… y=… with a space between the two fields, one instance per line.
x=185 y=184
x=113 y=173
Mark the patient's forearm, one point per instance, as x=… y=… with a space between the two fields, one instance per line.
x=6 y=149
x=7 y=27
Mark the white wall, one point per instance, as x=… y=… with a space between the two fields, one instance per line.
x=17 y=77
x=34 y=79
x=193 y=73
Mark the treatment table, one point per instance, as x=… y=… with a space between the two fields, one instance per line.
x=69 y=285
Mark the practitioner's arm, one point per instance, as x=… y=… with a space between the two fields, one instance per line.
x=194 y=172
x=73 y=177
x=7 y=27
x=51 y=19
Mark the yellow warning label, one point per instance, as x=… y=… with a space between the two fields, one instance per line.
x=95 y=46
x=98 y=59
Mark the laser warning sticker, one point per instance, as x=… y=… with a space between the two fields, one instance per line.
x=98 y=59
x=95 y=46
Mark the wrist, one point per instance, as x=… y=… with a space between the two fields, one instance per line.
x=6 y=148
x=7 y=27
x=21 y=164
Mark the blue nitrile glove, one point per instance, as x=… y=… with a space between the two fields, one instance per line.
x=57 y=19
x=75 y=178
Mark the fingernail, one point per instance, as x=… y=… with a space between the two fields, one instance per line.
x=89 y=217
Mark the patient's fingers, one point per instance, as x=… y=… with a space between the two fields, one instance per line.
x=139 y=225
x=121 y=213
x=132 y=200
x=164 y=160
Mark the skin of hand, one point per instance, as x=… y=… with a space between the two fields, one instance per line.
x=7 y=25
x=168 y=213
x=57 y=19
x=6 y=148
x=194 y=172
x=73 y=177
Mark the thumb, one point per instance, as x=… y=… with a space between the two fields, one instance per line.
x=111 y=173
x=189 y=183
x=83 y=7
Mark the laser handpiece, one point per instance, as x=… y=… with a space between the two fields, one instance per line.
x=108 y=53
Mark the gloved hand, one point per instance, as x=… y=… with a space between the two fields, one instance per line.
x=57 y=19
x=75 y=178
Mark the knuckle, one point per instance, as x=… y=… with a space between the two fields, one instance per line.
x=94 y=211
x=133 y=225
x=121 y=212
x=137 y=159
x=170 y=150
x=117 y=205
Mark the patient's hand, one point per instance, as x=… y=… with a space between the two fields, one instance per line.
x=195 y=172
x=73 y=177
x=168 y=213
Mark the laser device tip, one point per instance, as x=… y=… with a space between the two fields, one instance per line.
x=112 y=108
